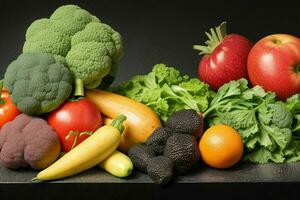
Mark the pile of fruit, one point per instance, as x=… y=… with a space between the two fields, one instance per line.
x=58 y=113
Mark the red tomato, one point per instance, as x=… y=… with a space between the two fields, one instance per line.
x=274 y=64
x=73 y=118
x=225 y=57
x=8 y=110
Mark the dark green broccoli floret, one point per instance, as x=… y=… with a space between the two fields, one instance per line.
x=282 y=117
x=37 y=83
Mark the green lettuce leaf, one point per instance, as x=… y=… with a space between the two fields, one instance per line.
x=165 y=90
x=293 y=104
x=263 y=156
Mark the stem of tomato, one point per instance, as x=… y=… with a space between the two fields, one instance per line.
x=215 y=37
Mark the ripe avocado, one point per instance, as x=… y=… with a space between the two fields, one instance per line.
x=160 y=169
x=139 y=155
x=183 y=150
x=186 y=122
x=158 y=139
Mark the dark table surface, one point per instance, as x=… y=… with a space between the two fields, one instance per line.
x=241 y=173
x=244 y=181
x=153 y=32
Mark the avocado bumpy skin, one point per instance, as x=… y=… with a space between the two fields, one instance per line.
x=186 y=121
x=89 y=47
x=158 y=139
x=183 y=150
x=140 y=155
x=37 y=83
x=160 y=169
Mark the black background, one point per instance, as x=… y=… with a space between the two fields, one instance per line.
x=157 y=31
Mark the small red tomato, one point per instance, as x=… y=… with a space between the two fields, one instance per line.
x=274 y=64
x=225 y=57
x=74 y=121
x=8 y=110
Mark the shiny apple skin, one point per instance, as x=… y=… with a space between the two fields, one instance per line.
x=274 y=64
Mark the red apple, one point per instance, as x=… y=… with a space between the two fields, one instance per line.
x=274 y=64
x=225 y=57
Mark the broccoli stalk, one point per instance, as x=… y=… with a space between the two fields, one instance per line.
x=79 y=88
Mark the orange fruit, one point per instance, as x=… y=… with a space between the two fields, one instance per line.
x=221 y=146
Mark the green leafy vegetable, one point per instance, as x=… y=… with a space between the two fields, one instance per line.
x=165 y=90
x=264 y=123
x=293 y=104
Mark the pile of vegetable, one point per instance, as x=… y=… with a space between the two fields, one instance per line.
x=46 y=122
x=264 y=123
x=245 y=105
x=261 y=114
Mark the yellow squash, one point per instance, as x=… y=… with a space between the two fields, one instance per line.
x=87 y=154
x=141 y=120
x=117 y=164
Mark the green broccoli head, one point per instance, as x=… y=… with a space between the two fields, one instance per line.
x=37 y=83
x=282 y=117
x=89 y=47
x=89 y=62
x=276 y=113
